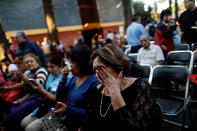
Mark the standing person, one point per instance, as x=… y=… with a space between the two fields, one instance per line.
x=150 y=29
x=110 y=35
x=187 y=20
x=46 y=46
x=163 y=34
x=120 y=103
x=25 y=105
x=25 y=47
x=133 y=33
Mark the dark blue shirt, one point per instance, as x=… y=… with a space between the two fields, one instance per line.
x=31 y=47
x=76 y=98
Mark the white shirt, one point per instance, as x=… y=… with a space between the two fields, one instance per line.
x=110 y=36
x=150 y=55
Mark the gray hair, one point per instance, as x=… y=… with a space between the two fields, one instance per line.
x=21 y=34
x=145 y=35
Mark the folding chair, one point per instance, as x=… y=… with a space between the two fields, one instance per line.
x=143 y=71
x=193 y=46
x=125 y=47
x=182 y=47
x=181 y=58
x=127 y=50
x=184 y=58
x=133 y=57
x=171 y=106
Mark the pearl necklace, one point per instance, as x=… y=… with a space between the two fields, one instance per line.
x=103 y=115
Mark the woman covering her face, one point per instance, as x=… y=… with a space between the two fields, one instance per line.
x=120 y=103
x=25 y=105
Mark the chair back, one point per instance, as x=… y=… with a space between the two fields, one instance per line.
x=125 y=47
x=169 y=100
x=133 y=57
x=180 y=58
x=142 y=71
x=182 y=47
x=193 y=46
x=161 y=75
x=169 y=73
x=127 y=50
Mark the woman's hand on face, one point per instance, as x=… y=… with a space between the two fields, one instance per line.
x=65 y=72
x=110 y=83
x=60 y=108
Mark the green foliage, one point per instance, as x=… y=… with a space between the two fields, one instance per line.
x=139 y=9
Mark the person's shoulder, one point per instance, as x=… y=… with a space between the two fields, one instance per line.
x=140 y=50
x=140 y=82
x=31 y=43
x=139 y=25
x=195 y=10
x=155 y=46
x=42 y=70
x=184 y=12
x=161 y=26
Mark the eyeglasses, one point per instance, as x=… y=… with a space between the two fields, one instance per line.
x=144 y=40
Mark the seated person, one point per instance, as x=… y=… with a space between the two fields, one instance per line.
x=13 y=89
x=72 y=94
x=31 y=122
x=149 y=53
x=25 y=105
x=11 y=68
x=120 y=103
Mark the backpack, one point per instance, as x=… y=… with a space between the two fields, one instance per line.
x=152 y=30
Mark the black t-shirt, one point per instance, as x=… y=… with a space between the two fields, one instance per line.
x=186 y=20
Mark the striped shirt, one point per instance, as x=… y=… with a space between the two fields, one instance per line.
x=40 y=75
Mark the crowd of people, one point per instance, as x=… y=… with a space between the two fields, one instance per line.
x=166 y=35
x=80 y=91
x=89 y=88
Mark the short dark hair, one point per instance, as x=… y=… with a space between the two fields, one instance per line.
x=55 y=59
x=81 y=54
x=165 y=12
x=135 y=17
x=113 y=57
